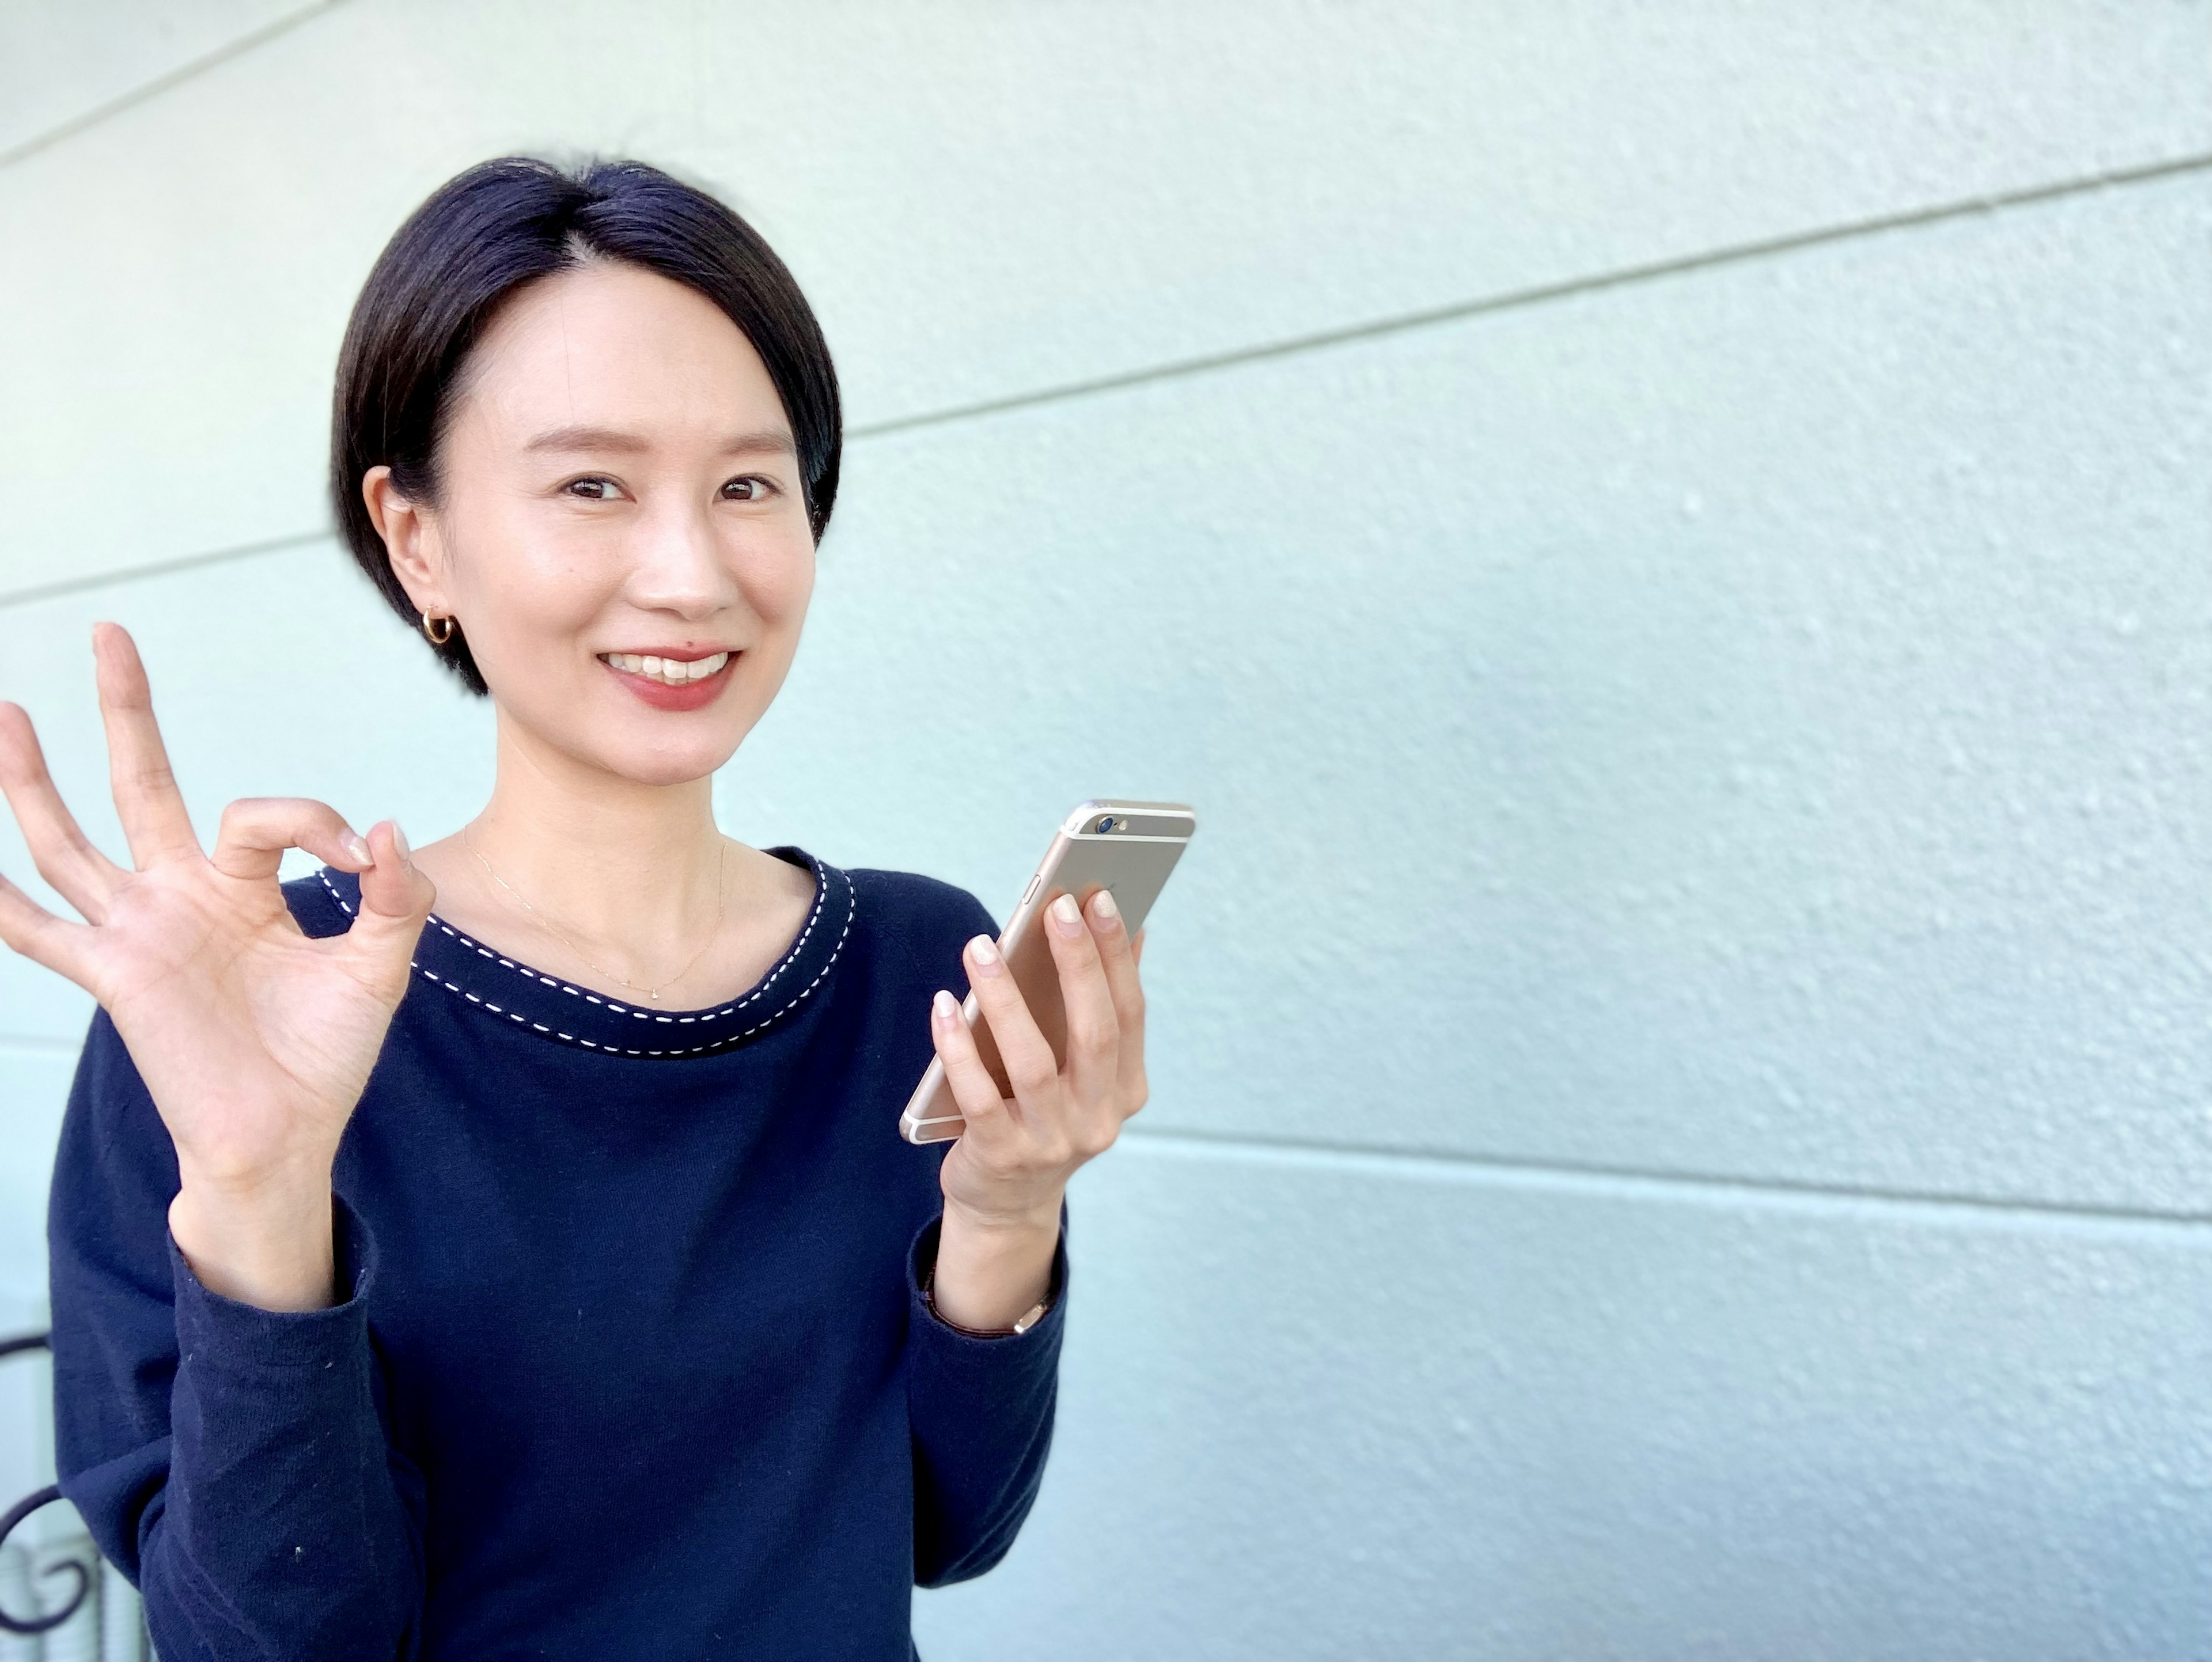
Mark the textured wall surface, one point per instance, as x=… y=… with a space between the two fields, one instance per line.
x=1672 y=547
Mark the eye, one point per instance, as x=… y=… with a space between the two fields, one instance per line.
x=748 y=488
x=594 y=487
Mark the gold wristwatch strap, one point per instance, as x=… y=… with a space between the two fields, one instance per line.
x=1028 y=1319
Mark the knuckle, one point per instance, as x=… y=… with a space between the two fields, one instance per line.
x=241 y=820
x=978 y=1105
x=971 y=1081
x=995 y=993
x=21 y=761
x=48 y=869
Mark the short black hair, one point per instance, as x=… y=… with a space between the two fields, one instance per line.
x=487 y=233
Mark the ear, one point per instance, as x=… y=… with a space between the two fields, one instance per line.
x=411 y=542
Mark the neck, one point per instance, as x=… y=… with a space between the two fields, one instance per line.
x=626 y=868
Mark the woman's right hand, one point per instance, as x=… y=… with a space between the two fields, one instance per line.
x=254 y=1040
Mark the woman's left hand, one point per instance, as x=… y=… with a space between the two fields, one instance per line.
x=1010 y=1165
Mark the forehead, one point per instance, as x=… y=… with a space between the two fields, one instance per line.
x=612 y=345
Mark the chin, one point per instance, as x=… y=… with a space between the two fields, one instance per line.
x=667 y=759
x=613 y=731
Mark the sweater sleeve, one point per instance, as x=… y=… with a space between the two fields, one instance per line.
x=232 y=1461
x=982 y=1412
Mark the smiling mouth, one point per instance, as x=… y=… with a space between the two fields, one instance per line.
x=669 y=671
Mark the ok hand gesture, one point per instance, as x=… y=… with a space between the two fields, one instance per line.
x=254 y=1041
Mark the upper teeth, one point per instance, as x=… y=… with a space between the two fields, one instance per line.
x=675 y=671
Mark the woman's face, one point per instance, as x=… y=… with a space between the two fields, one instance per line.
x=621 y=533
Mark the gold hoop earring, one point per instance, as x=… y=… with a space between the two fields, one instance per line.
x=432 y=634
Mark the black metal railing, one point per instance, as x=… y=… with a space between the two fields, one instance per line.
x=24 y=1344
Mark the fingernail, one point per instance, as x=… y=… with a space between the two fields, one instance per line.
x=357 y=845
x=1065 y=918
x=1103 y=908
x=985 y=953
x=945 y=1007
x=399 y=842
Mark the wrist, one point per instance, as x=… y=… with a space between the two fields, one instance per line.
x=1025 y=1224
x=266 y=1246
x=271 y=1180
x=989 y=1274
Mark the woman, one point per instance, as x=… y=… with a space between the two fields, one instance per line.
x=543 y=1274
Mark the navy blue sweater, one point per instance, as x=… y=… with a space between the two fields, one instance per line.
x=634 y=1362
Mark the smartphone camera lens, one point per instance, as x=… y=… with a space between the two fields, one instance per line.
x=1105 y=822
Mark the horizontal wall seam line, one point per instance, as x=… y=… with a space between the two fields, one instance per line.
x=1594 y=1175
x=161 y=84
x=160 y=568
x=40 y=1044
x=1407 y=324
x=1540 y=294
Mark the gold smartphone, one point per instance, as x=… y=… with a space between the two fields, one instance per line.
x=1129 y=848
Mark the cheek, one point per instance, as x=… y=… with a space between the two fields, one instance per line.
x=526 y=582
x=779 y=581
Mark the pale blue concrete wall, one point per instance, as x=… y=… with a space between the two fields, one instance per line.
x=1669 y=545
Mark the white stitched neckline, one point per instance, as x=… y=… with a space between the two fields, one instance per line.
x=821 y=897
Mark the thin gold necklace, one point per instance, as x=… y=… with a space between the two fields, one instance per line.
x=721 y=913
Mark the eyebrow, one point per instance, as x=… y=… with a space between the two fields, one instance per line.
x=768 y=441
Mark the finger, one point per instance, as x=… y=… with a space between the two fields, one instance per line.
x=1093 y=1034
x=973 y=1089
x=396 y=899
x=147 y=799
x=1031 y=1067
x=65 y=857
x=257 y=830
x=1118 y=955
x=29 y=928
x=1137 y=948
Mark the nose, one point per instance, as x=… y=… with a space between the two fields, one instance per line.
x=677 y=566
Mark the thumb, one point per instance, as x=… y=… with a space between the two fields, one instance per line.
x=395 y=899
